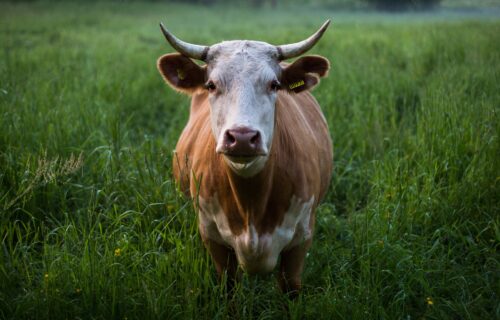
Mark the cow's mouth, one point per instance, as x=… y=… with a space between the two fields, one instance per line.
x=241 y=158
x=245 y=165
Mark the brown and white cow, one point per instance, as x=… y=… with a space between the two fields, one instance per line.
x=256 y=154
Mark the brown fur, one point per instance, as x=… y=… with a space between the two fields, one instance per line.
x=299 y=164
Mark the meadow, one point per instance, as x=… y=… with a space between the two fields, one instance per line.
x=92 y=225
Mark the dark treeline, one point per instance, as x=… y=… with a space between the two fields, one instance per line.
x=403 y=4
x=377 y=4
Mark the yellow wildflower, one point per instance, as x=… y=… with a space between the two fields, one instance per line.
x=429 y=301
x=118 y=252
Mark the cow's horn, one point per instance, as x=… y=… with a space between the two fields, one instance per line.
x=292 y=50
x=188 y=49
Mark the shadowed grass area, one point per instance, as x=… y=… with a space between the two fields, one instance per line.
x=92 y=225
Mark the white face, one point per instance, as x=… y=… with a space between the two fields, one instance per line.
x=242 y=78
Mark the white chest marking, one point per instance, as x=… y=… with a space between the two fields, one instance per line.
x=257 y=252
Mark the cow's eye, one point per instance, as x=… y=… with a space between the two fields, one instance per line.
x=210 y=86
x=275 y=85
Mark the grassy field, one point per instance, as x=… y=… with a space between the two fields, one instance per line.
x=91 y=223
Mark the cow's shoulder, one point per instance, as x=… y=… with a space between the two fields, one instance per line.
x=303 y=145
x=195 y=143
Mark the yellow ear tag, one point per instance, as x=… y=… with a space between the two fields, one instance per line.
x=180 y=74
x=296 y=84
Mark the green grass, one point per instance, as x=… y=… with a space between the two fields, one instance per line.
x=88 y=126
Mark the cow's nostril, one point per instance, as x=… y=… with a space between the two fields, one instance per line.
x=230 y=138
x=255 y=139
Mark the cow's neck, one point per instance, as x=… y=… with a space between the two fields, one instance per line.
x=251 y=194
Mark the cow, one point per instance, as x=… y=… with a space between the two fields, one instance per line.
x=256 y=155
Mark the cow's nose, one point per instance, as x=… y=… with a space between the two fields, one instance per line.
x=242 y=142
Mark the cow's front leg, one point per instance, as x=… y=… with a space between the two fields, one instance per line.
x=225 y=261
x=291 y=266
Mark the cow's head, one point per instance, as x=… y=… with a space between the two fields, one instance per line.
x=242 y=79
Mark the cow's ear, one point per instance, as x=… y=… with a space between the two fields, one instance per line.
x=181 y=73
x=304 y=73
